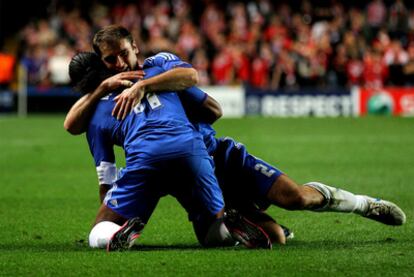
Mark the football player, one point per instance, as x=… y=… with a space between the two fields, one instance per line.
x=269 y=184
x=158 y=141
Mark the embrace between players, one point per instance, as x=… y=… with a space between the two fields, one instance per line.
x=163 y=123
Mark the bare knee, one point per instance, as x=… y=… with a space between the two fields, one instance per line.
x=296 y=200
x=286 y=194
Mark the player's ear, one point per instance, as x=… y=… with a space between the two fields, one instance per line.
x=135 y=47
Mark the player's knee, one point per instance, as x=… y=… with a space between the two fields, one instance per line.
x=299 y=200
x=101 y=234
x=292 y=203
x=290 y=198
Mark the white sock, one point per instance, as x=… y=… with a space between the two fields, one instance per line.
x=101 y=233
x=219 y=235
x=338 y=200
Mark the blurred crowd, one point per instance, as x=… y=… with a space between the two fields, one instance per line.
x=267 y=44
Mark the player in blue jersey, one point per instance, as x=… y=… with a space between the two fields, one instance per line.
x=158 y=141
x=263 y=184
x=269 y=185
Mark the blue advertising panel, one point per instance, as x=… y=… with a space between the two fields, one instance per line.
x=332 y=103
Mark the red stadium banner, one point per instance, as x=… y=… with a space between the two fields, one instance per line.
x=387 y=100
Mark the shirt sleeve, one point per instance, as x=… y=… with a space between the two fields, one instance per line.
x=102 y=150
x=165 y=60
x=193 y=95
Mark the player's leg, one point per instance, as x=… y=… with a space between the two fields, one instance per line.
x=238 y=174
x=192 y=182
x=202 y=198
x=232 y=228
x=257 y=223
x=126 y=208
x=285 y=193
x=266 y=183
x=208 y=190
x=339 y=200
x=319 y=197
x=106 y=224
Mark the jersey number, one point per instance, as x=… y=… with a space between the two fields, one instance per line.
x=153 y=101
x=264 y=170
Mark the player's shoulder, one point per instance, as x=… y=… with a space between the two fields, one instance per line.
x=103 y=109
x=160 y=58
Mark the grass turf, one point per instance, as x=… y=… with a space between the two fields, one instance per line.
x=49 y=198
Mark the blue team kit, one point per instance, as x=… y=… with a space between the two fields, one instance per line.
x=166 y=153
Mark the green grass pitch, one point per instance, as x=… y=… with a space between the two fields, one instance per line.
x=48 y=200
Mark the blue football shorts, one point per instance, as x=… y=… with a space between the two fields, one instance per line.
x=244 y=179
x=137 y=192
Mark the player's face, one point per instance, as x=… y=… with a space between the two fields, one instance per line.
x=121 y=57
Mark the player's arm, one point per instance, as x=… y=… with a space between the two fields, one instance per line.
x=80 y=113
x=175 y=79
x=210 y=110
x=199 y=106
x=178 y=75
x=102 y=150
x=77 y=119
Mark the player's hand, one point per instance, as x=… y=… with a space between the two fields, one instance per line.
x=123 y=79
x=128 y=99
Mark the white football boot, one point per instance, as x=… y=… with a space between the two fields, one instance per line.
x=384 y=211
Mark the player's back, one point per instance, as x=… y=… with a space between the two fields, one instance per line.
x=189 y=97
x=156 y=129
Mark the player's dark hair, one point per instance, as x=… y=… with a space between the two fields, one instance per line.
x=110 y=35
x=87 y=71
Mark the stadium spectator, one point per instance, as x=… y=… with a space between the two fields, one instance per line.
x=338 y=73
x=201 y=64
x=395 y=57
x=58 y=64
x=188 y=40
x=284 y=72
x=354 y=69
x=35 y=61
x=408 y=68
x=375 y=70
x=376 y=16
x=241 y=64
x=261 y=67
x=222 y=67
x=398 y=20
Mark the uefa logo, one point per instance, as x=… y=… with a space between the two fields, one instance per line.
x=380 y=103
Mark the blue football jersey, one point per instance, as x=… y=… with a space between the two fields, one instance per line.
x=189 y=97
x=156 y=129
x=165 y=60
